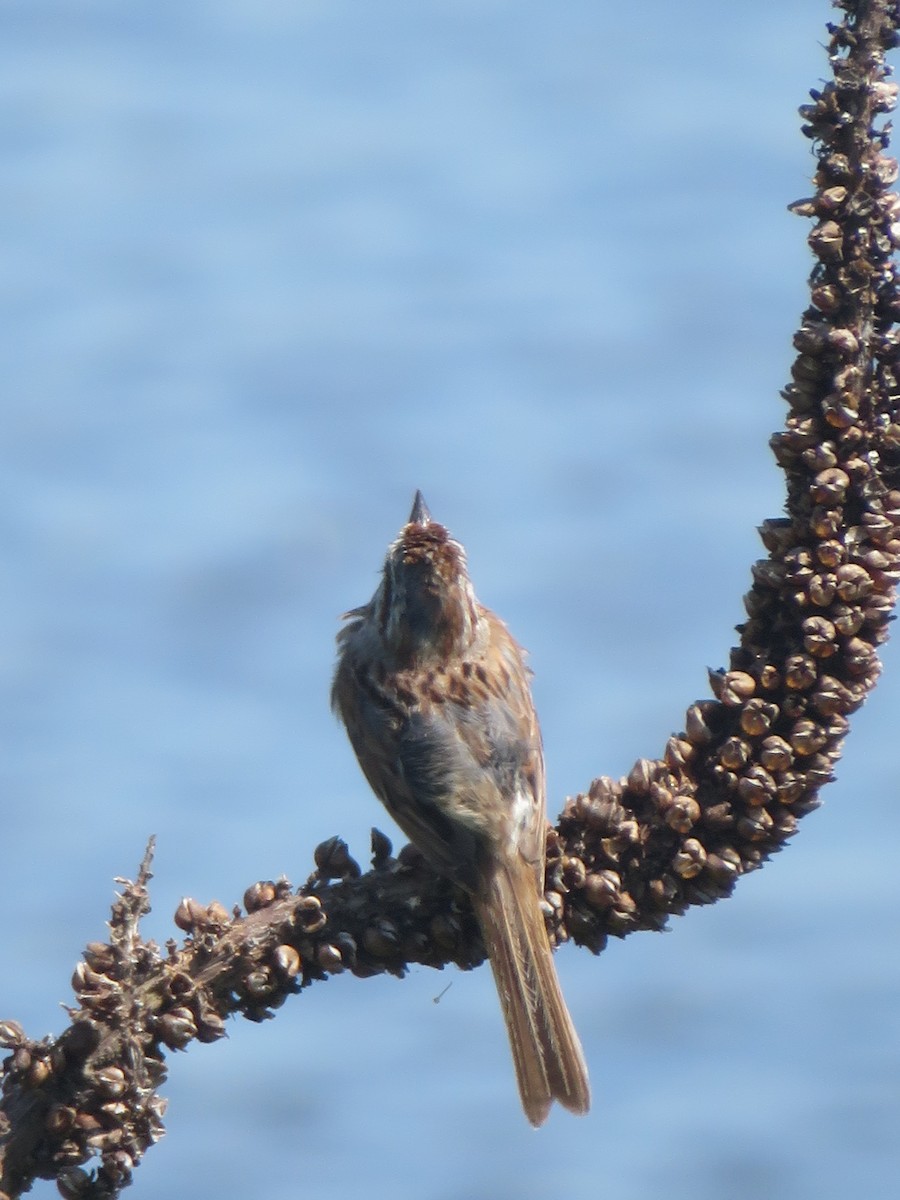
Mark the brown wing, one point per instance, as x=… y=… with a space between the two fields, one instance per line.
x=455 y=756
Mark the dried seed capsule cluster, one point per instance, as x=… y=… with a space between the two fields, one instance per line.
x=730 y=789
x=403 y=913
x=94 y=1090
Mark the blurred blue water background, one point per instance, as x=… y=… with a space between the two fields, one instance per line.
x=266 y=268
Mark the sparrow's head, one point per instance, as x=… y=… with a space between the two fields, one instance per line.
x=425 y=605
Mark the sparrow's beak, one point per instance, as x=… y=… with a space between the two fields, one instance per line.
x=420 y=514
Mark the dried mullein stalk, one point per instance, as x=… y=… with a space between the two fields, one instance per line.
x=677 y=830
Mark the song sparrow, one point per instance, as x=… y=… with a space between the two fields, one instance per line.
x=434 y=693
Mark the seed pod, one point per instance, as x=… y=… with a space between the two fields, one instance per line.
x=826 y=241
x=830 y=696
x=111 y=1082
x=800 y=672
x=605 y=790
x=259 y=895
x=827 y=297
x=819 y=455
x=756 y=786
x=287 y=960
x=210 y=1026
x=807 y=367
x=381 y=849
x=755 y=825
x=785 y=450
x=329 y=958
x=837 y=728
x=623 y=909
x=732 y=687
x=602 y=889
x=819 y=771
x=718 y=816
x=799 y=560
x=258 y=984
x=381 y=939
x=857 y=467
x=756 y=602
x=853 y=582
x=875 y=560
x=821 y=589
x=696 y=722
x=12 y=1035
x=682 y=814
x=416 y=947
x=758 y=716
x=825 y=522
x=445 y=931
x=641 y=776
x=807 y=737
x=552 y=906
x=722 y=870
x=878 y=525
x=884 y=95
x=843 y=342
x=60 y=1119
x=86 y=980
x=832 y=197
x=768 y=575
x=663 y=891
x=725 y=780
x=848 y=619
x=830 y=553
x=308 y=914
x=38 y=1072
x=573 y=872
x=586 y=811
x=68 y=1153
x=106 y=1139
x=784 y=824
x=810 y=338
x=21 y=1060
x=775 y=754
x=830 y=486
x=612 y=847
x=180 y=985
x=74 y=1183
x=118 y=1165
x=333 y=860
x=805 y=207
x=176 y=1028
x=678 y=753
x=734 y=753
x=190 y=914
x=114 y=1110
x=100 y=957
x=859 y=658
x=689 y=859
x=217 y=914
x=410 y=858
x=840 y=410
x=819 y=637
x=777 y=534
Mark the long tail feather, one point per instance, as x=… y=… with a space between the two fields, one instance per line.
x=546 y=1051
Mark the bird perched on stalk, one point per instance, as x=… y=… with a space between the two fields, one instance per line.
x=433 y=691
